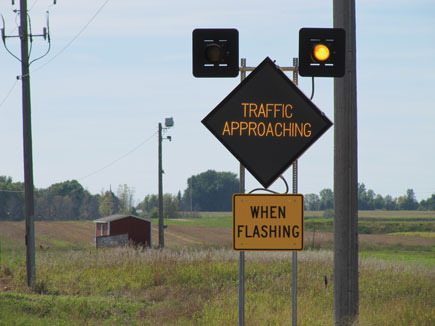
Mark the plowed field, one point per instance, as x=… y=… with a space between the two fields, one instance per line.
x=81 y=234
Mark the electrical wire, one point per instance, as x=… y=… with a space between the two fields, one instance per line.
x=4 y=41
x=49 y=41
x=312 y=88
x=273 y=192
x=74 y=38
x=34 y=3
x=67 y=45
x=8 y=93
x=119 y=158
x=30 y=35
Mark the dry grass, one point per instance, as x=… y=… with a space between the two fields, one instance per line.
x=194 y=281
x=81 y=234
x=383 y=214
x=198 y=286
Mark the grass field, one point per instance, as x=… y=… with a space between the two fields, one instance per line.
x=194 y=281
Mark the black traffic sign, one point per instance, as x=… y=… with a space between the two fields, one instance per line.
x=215 y=52
x=322 y=52
x=266 y=122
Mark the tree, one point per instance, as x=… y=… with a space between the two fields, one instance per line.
x=150 y=206
x=370 y=199
x=428 y=204
x=11 y=199
x=5 y=179
x=180 y=201
x=362 y=196
x=326 y=199
x=149 y=202
x=379 y=202
x=390 y=203
x=90 y=205
x=367 y=199
x=170 y=206
x=312 y=202
x=211 y=191
x=59 y=201
x=408 y=202
x=109 y=204
x=126 y=199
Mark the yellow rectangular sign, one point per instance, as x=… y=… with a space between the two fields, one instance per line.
x=268 y=222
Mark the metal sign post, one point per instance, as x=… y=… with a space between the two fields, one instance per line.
x=243 y=70
x=295 y=253
x=242 y=253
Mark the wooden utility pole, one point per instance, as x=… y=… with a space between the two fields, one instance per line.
x=27 y=146
x=161 y=226
x=346 y=175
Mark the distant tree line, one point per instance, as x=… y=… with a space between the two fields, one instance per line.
x=63 y=201
x=207 y=191
x=369 y=200
x=210 y=191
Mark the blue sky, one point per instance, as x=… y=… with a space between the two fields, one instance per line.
x=98 y=98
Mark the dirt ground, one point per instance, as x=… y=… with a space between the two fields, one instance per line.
x=82 y=234
x=181 y=235
x=75 y=233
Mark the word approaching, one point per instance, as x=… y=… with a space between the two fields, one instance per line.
x=254 y=122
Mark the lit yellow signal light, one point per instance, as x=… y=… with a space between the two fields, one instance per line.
x=321 y=52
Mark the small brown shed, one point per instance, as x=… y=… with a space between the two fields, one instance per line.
x=115 y=230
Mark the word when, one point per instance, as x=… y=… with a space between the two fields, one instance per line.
x=268 y=211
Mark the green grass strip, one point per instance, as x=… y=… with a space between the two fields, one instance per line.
x=24 y=309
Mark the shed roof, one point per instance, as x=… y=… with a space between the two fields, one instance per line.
x=115 y=217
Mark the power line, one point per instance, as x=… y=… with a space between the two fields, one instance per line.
x=74 y=38
x=8 y=93
x=34 y=3
x=119 y=158
x=61 y=51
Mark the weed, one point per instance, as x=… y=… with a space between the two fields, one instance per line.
x=198 y=286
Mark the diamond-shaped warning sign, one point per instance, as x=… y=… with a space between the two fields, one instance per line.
x=266 y=122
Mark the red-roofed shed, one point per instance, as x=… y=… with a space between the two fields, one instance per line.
x=130 y=228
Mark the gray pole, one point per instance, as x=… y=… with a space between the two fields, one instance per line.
x=346 y=175
x=27 y=147
x=191 y=198
x=161 y=232
x=295 y=254
x=242 y=253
